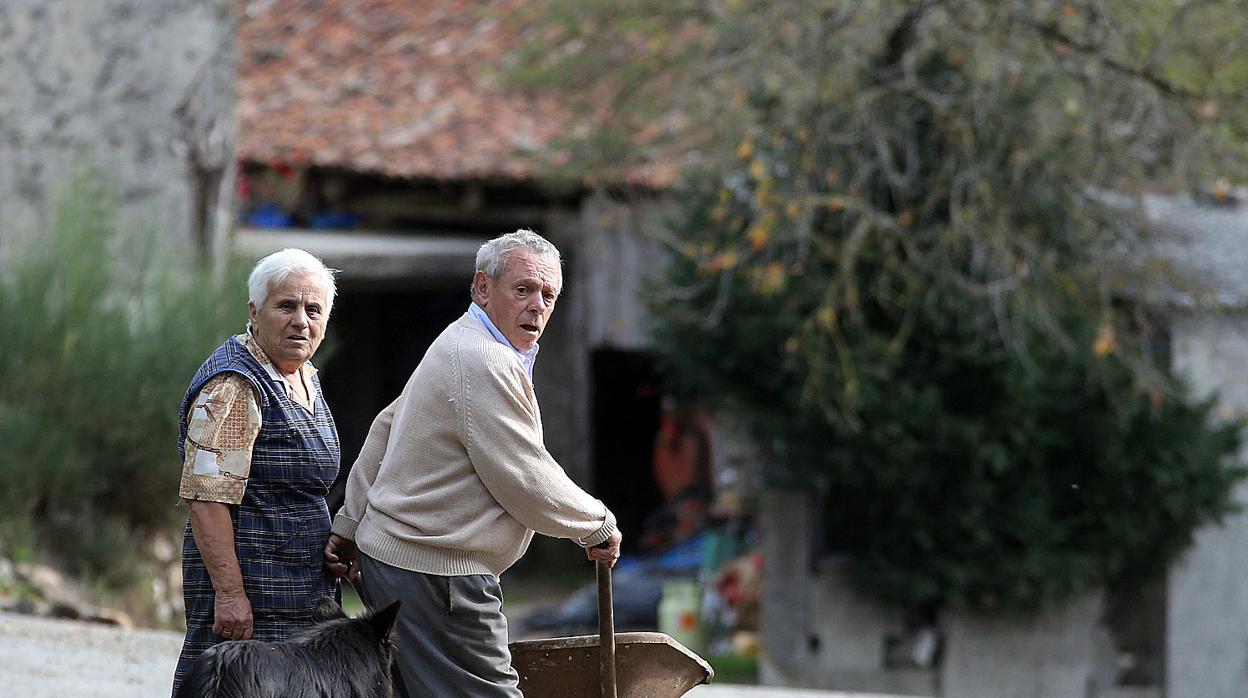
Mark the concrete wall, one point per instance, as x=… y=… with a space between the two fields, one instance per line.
x=820 y=632
x=100 y=81
x=1062 y=653
x=1207 y=602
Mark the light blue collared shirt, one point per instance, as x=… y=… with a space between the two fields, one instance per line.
x=527 y=358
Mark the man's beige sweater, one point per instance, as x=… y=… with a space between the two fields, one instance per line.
x=454 y=476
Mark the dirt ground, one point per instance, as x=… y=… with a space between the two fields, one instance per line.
x=43 y=658
x=46 y=658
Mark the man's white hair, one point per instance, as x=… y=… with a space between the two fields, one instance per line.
x=277 y=267
x=492 y=256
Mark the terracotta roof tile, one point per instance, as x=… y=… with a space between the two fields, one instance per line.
x=397 y=87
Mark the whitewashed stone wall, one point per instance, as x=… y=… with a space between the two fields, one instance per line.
x=819 y=632
x=1060 y=653
x=100 y=81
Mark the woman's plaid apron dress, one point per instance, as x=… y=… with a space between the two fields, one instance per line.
x=281 y=526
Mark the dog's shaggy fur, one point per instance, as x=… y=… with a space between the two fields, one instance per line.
x=338 y=657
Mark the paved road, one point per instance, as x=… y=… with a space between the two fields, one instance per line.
x=41 y=658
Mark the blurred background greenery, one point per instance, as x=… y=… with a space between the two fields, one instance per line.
x=894 y=257
x=100 y=329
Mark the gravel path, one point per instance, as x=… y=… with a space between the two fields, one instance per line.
x=42 y=658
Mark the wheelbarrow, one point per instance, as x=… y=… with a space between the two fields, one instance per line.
x=628 y=665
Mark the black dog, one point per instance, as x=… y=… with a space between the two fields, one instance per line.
x=338 y=657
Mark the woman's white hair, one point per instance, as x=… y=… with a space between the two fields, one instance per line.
x=277 y=267
x=492 y=256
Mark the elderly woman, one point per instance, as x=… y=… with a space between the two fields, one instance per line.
x=259 y=451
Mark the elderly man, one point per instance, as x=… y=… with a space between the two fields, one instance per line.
x=259 y=452
x=454 y=479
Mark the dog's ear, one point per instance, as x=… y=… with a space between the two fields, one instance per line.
x=327 y=609
x=382 y=621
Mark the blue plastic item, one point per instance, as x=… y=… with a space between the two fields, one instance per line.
x=269 y=215
x=335 y=220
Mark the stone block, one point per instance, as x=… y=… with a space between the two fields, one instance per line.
x=1055 y=654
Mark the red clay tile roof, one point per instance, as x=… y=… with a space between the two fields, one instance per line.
x=405 y=88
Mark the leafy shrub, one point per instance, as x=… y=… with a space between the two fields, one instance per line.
x=956 y=464
x=898 y=268
x=905 y=284
x=100 y=332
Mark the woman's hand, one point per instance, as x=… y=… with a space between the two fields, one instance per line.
x=232 y=619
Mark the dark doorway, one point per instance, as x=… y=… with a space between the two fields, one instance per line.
x=376 y=339
x=627 y=397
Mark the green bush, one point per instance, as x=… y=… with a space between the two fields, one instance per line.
x=955 y=464
x=906 y=284
x=100 y=331
x=896 y=264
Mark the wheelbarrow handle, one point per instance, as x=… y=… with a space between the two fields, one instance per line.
x=606 y=630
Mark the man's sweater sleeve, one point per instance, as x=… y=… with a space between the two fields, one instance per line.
x=364 y=472
x=503 y=439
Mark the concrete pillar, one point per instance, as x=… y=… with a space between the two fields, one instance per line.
x=786 y=596
x=817 y=630
x=1207 y=599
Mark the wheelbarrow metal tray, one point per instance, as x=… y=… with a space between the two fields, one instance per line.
x=649 y=665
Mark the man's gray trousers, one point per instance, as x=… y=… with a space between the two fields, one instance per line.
x=450 y=636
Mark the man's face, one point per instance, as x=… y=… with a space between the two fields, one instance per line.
x=520 y=301
x=291 y=324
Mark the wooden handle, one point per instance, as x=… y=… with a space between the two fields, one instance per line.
x=606 y=630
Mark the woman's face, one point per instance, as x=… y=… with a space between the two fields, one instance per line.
x=291 y=324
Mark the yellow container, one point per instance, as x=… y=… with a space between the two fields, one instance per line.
x=680 y=613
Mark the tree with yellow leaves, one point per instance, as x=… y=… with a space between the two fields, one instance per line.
x=895 y=262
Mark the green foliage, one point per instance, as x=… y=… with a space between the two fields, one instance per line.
x=100 y=332
x=896 y=263
x=734 y=668
x=1155 y=86
x=956 y=467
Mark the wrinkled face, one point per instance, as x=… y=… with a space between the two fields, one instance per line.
x=291 y=324
x=520 y=301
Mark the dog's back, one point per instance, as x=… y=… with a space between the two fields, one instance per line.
x=342 y=657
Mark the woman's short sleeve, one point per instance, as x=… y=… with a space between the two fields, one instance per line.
x=222 y=425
